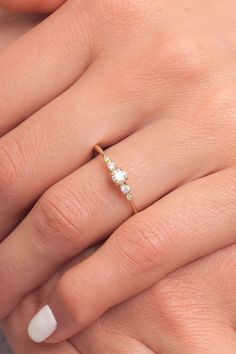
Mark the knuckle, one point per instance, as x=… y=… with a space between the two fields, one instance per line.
x=175 y=301
x=58 y=219
x=145 y=244
x=177 y=59
x=12 y=162
x=222 y=108
x=216 y=122
x=182 y=56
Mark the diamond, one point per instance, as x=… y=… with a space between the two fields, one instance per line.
x=129 y=197
x=119 y=176
x=111 y=165
x=125 y=188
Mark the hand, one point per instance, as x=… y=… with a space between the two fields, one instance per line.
x=191 y=311
x=162 y=98
x=11 y=27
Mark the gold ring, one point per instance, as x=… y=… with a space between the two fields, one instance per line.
x=118 y=176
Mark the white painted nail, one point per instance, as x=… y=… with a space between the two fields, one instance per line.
x=42 y=325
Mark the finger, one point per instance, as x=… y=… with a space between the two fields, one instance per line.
x=32 y=65
x=13 y=26
x=15 y=325
x=31 y=5
x=31 y=155
x=36 y=144
x=190 y=311
x=15 y=329
x=86 y=206
x=187 y=224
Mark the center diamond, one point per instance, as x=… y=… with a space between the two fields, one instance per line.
x=119 y=176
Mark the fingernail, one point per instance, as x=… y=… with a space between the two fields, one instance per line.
x=42 y=325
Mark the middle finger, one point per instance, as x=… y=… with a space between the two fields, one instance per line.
x=41 y=151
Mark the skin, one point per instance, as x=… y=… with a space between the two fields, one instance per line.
x=163 y=123
x=190 y=311
x=31 y=5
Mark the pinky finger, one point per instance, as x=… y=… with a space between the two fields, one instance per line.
x=190 y=222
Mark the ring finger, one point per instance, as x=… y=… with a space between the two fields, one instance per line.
x=31 y=155
x=84 y=207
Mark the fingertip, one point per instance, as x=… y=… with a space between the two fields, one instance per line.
x=71 y=307
x=42 y=325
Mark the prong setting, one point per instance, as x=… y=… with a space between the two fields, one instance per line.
x=119 y=177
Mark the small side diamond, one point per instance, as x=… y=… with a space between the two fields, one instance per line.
x=129 y=197
x=106 y=158
x=125 y=188
x=111 y=165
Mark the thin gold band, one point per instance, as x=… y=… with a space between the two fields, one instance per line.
x=118 y=176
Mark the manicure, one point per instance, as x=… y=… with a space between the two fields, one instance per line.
x=42 y=326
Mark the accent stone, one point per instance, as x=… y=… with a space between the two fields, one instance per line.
x=125 y=188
